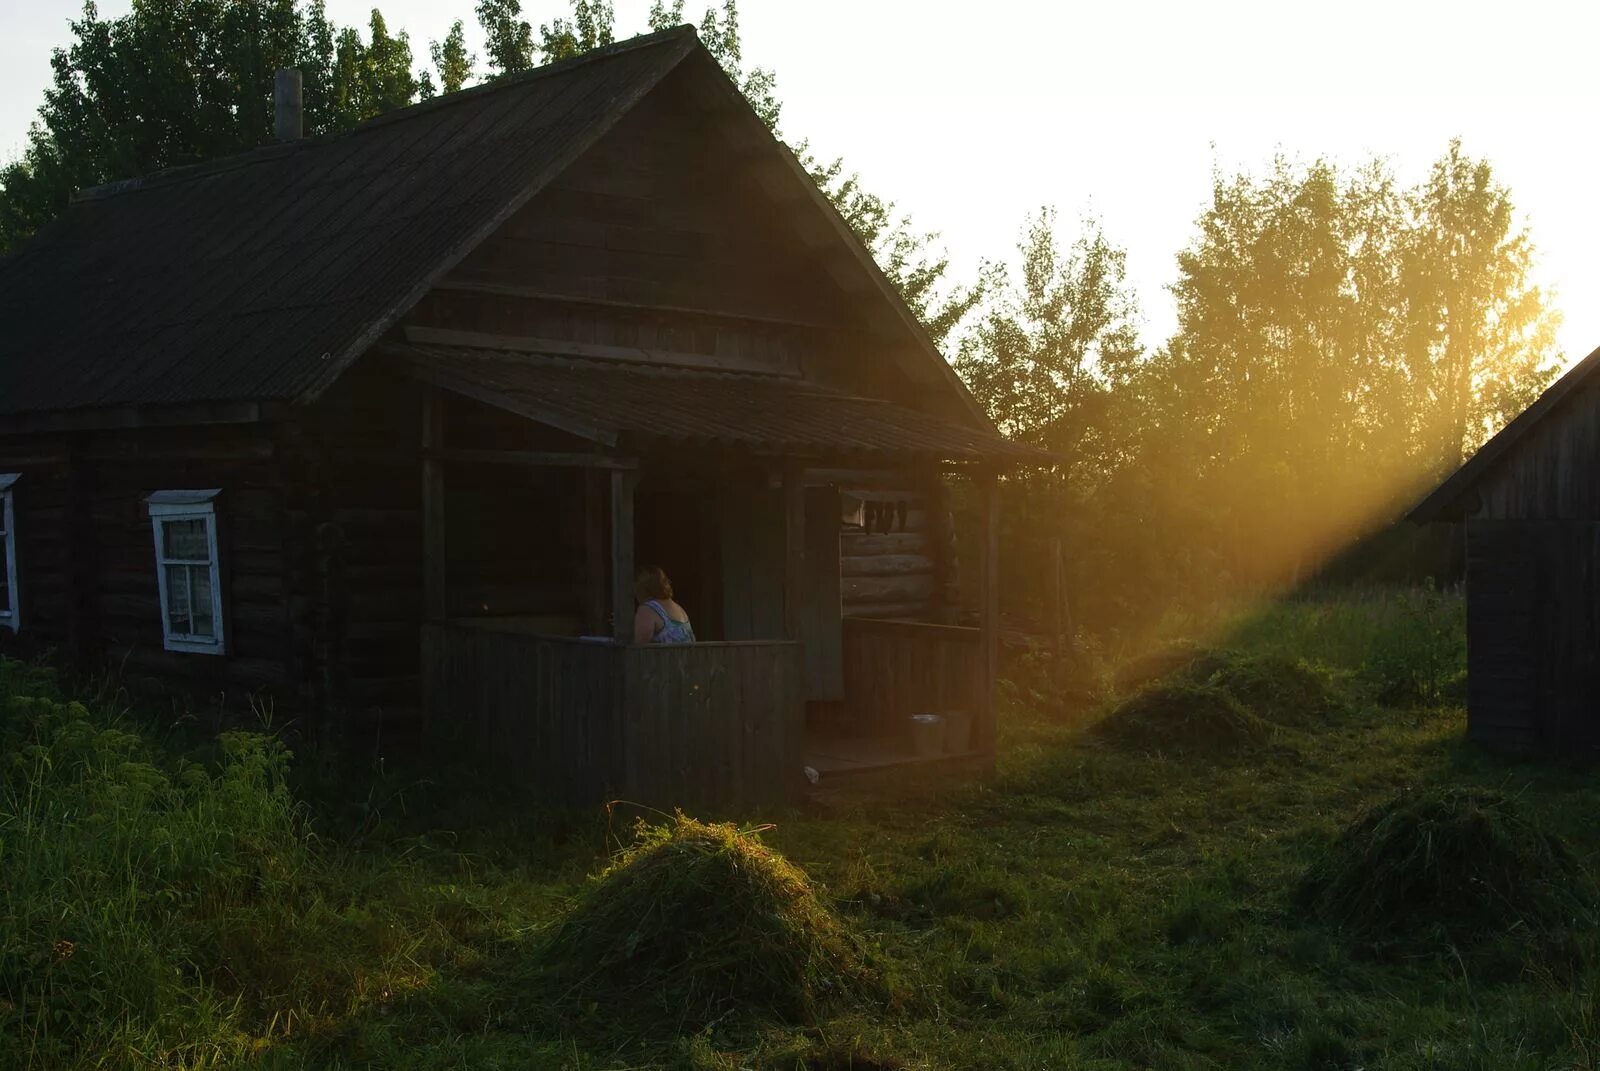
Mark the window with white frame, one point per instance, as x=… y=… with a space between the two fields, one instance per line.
x=188 y=573
x=10 y=601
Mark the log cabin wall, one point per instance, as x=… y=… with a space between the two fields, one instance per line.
x=355 y=474
x=86 y=558
x=895 y=562
x=45 y=538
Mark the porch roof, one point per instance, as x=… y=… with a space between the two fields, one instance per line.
x=614 y=403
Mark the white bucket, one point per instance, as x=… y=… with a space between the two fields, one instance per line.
x=927 y=735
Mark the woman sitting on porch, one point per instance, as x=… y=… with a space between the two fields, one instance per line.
x=659 y=619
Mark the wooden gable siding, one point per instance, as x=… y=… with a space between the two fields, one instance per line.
x=658 y=214
x=656 y=245
x=1554 y=472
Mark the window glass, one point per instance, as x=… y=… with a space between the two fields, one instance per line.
x=178 y=599
x=186 y=540
x=200 y=600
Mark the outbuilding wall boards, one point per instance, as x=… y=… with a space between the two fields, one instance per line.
x=1533 y=586
x=1533 y=633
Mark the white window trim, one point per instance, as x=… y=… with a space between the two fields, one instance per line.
x=10 y=614
x=188 y=506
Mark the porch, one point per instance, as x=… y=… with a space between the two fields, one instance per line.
x=773 y=504
x=722 y=723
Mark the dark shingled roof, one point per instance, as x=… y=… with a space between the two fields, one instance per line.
x=260 y=277
x=611 y=402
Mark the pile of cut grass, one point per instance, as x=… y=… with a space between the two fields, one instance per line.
x=697 y=923
x=1458 y=864
x=1173 y=659
x=1272 y=687
x=1277 y=687
x=1181 y=716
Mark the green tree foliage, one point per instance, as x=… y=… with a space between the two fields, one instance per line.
x=452 y=60
x=1050 y=347
x=1053 y=354
x=592 y=25
x=371 y=77
x=1479 y=336
x=174 y=82
x=1342 y=343
x=508 y=37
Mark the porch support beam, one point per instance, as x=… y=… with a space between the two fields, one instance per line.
x=794 y=555
x=433 y=523
x=622 y=486
x=988 y=608
x=596 y=555
x=534 y=459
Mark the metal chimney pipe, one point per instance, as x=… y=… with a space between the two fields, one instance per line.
x=287 y=122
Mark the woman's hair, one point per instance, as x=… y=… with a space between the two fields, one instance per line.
x=652 y=583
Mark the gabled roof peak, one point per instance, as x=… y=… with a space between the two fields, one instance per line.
x=278 y=150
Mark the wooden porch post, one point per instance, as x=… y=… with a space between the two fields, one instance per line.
x=794 y=552
x=595 y=554
x=433 y=526
x=988 y=608
x=622 y=485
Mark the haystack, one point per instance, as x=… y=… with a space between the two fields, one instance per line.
x=1181 y=716
x=1456 y=863
x=697 y=923
x=1278 y=688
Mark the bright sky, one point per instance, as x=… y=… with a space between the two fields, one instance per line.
x=971 y=115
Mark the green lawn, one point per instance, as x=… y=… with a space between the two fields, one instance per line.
x=1094 y=905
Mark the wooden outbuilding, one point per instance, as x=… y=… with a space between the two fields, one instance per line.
x=382 y=422
x=1530 y=503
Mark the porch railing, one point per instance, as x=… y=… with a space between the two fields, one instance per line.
x=706 y=724
x=893 y=669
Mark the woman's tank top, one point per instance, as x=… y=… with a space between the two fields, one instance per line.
x=670 y=631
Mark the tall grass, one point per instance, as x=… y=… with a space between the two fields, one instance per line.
x=1409 y=643
x=170 y=910
x=133 y=884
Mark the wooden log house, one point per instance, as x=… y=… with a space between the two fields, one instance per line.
x=383 y=421
x=1530 y=503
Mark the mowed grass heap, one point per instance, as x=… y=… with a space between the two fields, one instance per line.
x=1320 y=889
